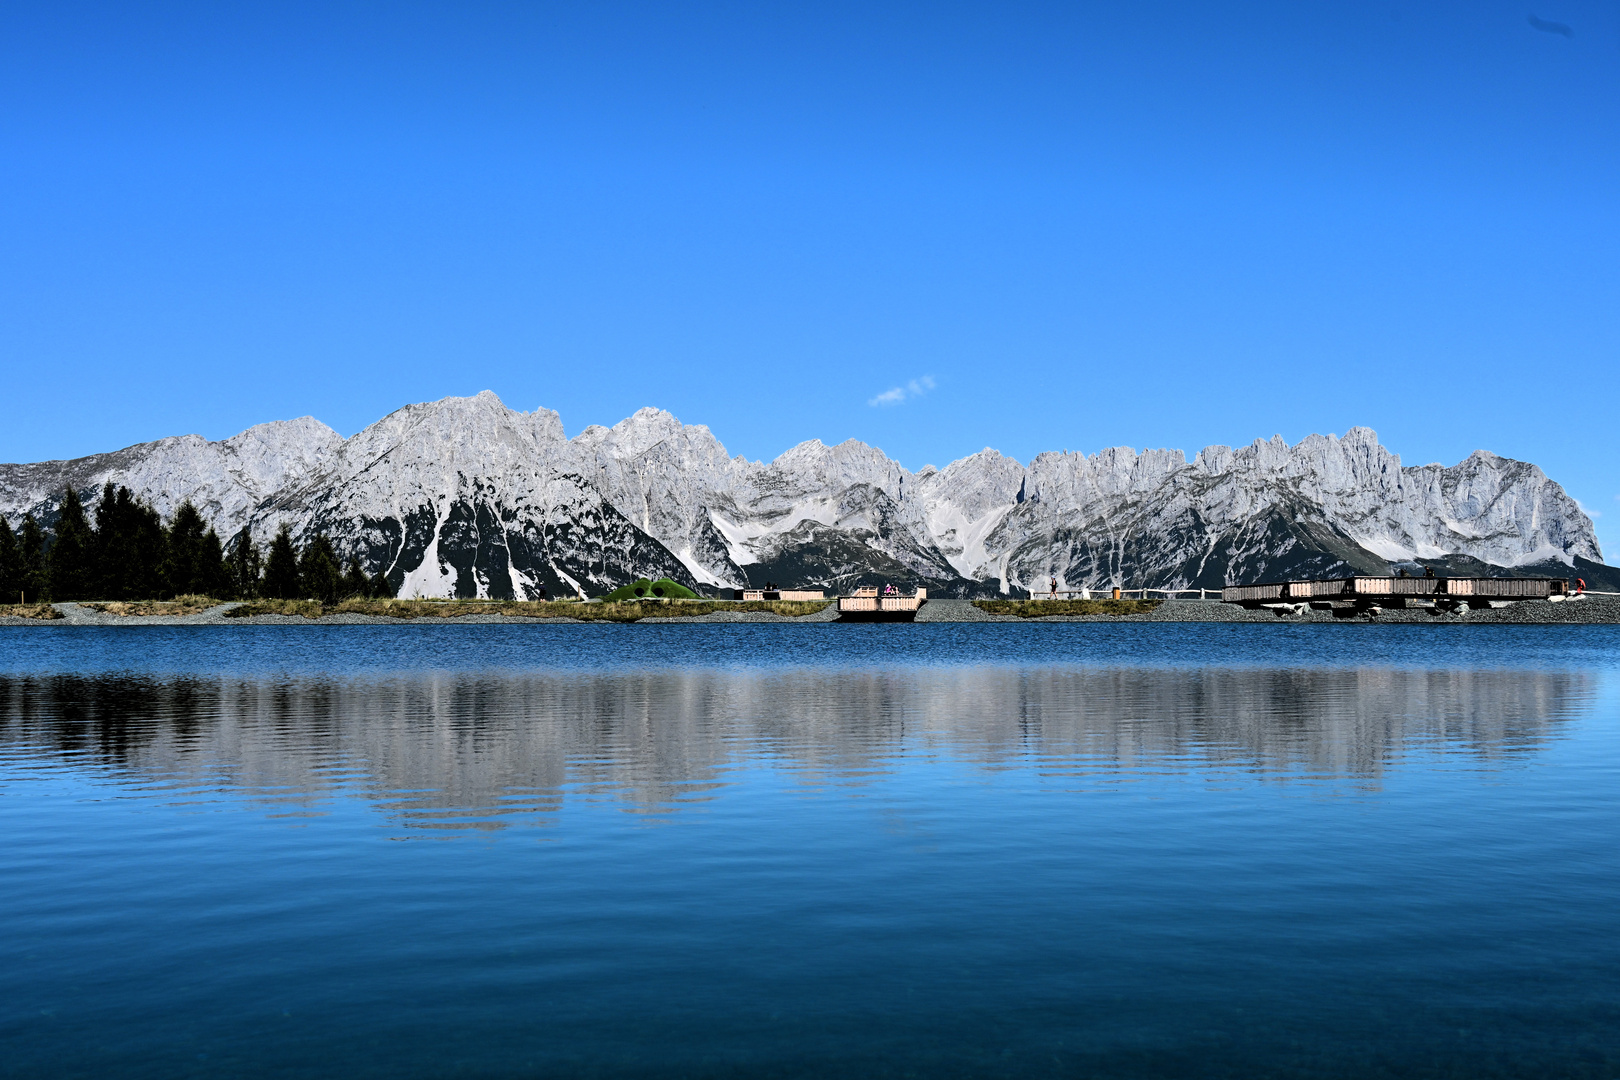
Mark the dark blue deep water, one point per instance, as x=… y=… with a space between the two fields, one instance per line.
x=788 y=851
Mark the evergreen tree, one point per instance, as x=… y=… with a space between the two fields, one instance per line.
x=183 y=566
x=355 y=582
x=11 y=571
x=281 y=567
x=70 y=564
x=148 y=546
x=213 y=576
x=32 y=549
x=129 y=547
x=244 y=566
x=379 y=588
x=109 y=570
x=318 y=571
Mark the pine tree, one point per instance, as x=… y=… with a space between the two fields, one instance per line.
x=244 y=566
x=69 y=565
x=148 y=547
x=109 y=570
x=213 y=576
x=32 y=549
x=129 y=547
x=355 y=582
x=183 y=567
x=11 y=571
x=281 y=567
x=318 y=571
x=378 y=588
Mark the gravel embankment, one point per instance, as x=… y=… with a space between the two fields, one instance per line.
x=1590 y=610
x=826 y=614
x=79 y=615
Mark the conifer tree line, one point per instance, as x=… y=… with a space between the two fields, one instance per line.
x=127 y=552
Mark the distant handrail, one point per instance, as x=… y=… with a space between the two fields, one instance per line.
x=784 y=594
x=1106 y=592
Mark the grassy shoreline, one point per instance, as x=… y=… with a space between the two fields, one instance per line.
x=632 y=611
x=29 y=611
x=179 y=606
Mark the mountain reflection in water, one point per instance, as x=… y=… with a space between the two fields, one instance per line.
x=486 y=751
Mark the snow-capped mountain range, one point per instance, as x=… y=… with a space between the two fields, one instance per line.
x=465 y=497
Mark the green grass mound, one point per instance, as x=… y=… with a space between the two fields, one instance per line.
x=662 y=589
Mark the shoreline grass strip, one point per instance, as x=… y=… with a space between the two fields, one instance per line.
x=31 y=611
x=528 y=609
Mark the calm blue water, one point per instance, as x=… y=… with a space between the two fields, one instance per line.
x=1002 y=851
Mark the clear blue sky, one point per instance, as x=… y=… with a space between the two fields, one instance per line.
x=1071 y=226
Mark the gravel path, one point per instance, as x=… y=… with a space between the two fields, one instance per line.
x=79 y=615
x=1591 y=609
x=959 y=611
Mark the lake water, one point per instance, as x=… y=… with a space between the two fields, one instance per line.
x=1041 y=850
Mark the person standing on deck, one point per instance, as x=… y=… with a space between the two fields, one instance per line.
x=1054 y=587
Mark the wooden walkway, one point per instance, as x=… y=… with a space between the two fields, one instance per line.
x=1367 y=593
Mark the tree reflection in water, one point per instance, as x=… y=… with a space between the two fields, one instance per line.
x=479 y=751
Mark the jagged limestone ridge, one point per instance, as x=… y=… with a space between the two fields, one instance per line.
x=464 y=496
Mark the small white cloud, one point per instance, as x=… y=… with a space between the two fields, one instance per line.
x=896 y=394
x=1588 y=511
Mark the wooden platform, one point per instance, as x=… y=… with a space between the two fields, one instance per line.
x=783 y=594
x=1366 y=593
x=867 y=605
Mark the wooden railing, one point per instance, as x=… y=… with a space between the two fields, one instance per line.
x=1423 y=588
x=1125 y=594
x=869 y=600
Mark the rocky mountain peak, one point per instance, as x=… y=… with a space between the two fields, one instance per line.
x=465 y=496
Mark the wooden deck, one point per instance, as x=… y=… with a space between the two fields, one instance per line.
x=868 y=605
x=784 y=594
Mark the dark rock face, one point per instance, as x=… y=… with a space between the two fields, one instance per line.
x=709 y=549
x=489 y=549
x=1192 y=552
x=813 y=555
